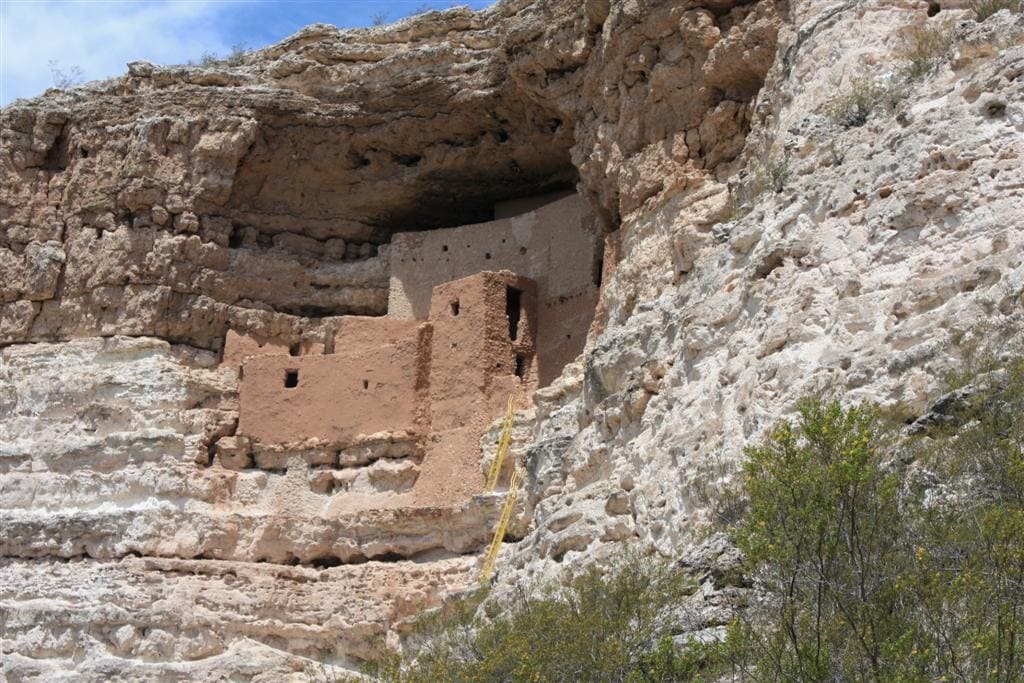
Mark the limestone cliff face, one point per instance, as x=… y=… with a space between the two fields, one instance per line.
x=143 y=217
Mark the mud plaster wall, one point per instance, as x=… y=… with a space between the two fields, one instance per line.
x=238 y=347
x=556 y=245
x=472 y=376
x=374 y=382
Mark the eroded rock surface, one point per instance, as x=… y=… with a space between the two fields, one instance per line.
x=145 y=216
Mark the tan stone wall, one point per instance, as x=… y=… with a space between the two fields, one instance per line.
x=373 y=383
x=556 y=245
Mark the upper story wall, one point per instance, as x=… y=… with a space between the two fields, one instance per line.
x=556 y=245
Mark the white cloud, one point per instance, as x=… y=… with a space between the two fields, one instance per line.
x=99 y=38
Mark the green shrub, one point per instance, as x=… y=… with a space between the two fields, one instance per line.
x=871 y=576
x=983 y=9
x=923 y=48
x=852 y=107
x=604 y=625
x=818 y=537
x=769 y=173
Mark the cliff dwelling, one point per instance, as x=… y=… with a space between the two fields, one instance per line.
x=391 y=409
x=260 y=320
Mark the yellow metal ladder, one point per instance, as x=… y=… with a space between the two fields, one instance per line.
x=510 y=497
x=499 y=532
x=503 y=443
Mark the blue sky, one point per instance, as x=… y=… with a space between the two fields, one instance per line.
x=92 y=39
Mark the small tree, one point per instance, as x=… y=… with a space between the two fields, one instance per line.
x=65 y=78
x=871 y=576
x=820 y=538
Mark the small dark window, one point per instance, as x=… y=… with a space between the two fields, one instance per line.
x=366 y=384
x=241 y=372
x=513 y=302
x=487 y=256
x=520 y=365
x=444 y=247
x=235 y=238
x=522 y=251
x=294 y=349
x=99 y=233
x=454 y=307
x=291 y=379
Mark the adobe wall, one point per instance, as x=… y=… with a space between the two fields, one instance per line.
x=472 y=374
x=375 y=382
x=239 y=347
x=514 y=207
x=557 y=245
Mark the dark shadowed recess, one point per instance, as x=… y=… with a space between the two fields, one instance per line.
x=412 y=173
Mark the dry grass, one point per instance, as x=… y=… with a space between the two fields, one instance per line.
x=852 y=108
x=983 y=9
x=923 y=48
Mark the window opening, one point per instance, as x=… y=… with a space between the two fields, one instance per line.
x=513 y=302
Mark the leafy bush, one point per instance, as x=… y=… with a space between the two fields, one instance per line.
x=983 y=9
x=818 y=537
x=604 y=625
x=874 y=577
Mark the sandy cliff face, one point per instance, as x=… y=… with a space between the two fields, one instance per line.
x=142 y=217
